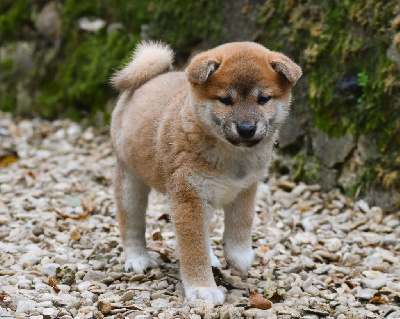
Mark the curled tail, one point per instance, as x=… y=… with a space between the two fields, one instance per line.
x=148 y=60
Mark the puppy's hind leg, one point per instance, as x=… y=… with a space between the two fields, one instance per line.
x=131 y=195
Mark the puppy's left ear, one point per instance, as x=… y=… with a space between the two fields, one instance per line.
x=201 y=67
x=283 y=65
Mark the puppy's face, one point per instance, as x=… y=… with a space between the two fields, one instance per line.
x=241 y=90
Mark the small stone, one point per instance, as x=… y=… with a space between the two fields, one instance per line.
x=97 y=315
x=24 y=305
x=137 y=277
x=51 y=269
x=157 y=295
x=84 y=285
x=49 y=311
x=305 y=238
x=62 y=260
x=375 y=283
x=321 y=313
x=250 y=313
x=108 y=280
x=307 y=283
x=229 y=311
x=37 y=231
x=160 y=303
x=265 y=314
x=341 y=309
x=294 y=291
x=203 y=307
x=128 y=296
x=75 y=235
x=365 y=293
x=312 y=290
x=94 y=275
x=104 y=306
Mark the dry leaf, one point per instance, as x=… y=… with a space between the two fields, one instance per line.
x=2 y=296
x=7 y=160
x=53 y=284
x=156 y=235
x=32 y=174
x=165 y=217
x=377 y=300
x=159 y=247
x=305 y=208
x=264 y=249
x=258 y=301
x=84 y=216
x=75 y=235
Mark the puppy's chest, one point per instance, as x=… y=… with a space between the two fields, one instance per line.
x=222 y=186
x=227 y=175
x=218 y=190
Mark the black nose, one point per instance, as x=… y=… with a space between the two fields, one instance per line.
x=246 y=130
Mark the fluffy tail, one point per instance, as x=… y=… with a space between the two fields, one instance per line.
x=148 y=60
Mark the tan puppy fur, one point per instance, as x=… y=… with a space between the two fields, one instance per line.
x=204 y=137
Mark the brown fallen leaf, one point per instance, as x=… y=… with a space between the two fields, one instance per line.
x=156 y=235
x=7 y=160
x=258 y=301
x=264 y=249
x=81 y=217
x=32 y=174
x=305 y=208
x=377 y=300
x=2 y=296
x=157 y=246
x=165 y=217
x=53 y=285
x=160 y=247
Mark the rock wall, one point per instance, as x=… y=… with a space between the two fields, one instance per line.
x=56 y=58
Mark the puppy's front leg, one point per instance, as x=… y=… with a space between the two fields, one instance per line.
x=190 y=218
x=238 y=225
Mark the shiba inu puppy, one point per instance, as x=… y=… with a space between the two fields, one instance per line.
x=204 y=137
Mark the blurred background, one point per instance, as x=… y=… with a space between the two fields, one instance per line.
x=56 y=58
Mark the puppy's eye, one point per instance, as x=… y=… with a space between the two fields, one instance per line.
x=262 y=100
x=225 y=100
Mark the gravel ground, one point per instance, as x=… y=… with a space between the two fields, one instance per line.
x=318 y=255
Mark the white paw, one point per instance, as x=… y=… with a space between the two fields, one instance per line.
x=239 y=259
x=213 y=294
x=214 y=259
x=139 y=264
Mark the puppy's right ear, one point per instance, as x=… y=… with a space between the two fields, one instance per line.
x=201 y=67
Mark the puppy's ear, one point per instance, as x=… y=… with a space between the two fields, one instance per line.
x=283 y=65
x=201 y=67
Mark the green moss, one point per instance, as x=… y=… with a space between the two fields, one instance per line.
x=14 y=17
x=178 y=22
x=335 y=41
x=73 y=80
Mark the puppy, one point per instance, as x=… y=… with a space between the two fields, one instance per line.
x=204 y=137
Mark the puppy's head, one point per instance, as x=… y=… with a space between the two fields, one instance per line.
x=241 y=90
